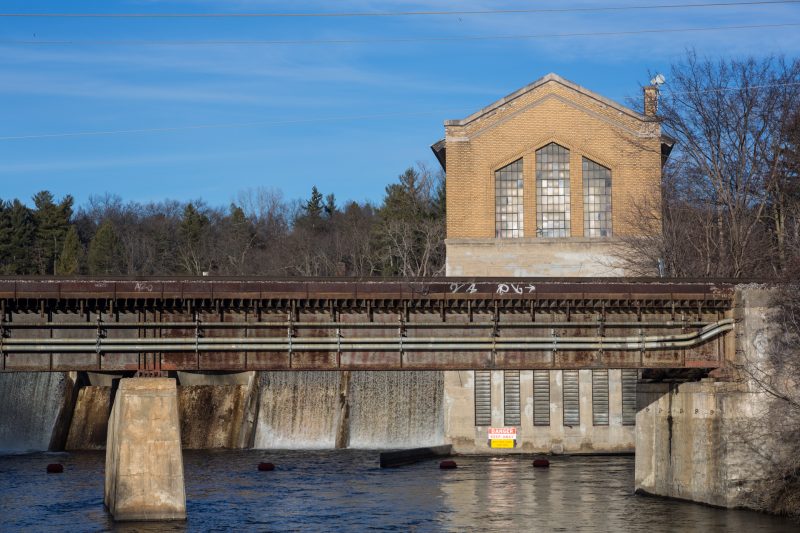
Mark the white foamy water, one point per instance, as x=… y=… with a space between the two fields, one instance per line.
x=396 y=409
x=30 y=403
x=299 y=410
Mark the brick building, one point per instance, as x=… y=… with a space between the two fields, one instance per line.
x=543 y=182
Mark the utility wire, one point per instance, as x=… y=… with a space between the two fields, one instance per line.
x=273 y=42
x=404 y=13
x=440 y=112
x=214 y=126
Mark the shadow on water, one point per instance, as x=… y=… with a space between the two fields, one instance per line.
x=346 y=490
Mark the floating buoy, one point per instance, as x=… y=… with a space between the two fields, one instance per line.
x=448 y=465
x=55 y=468
x=266 y=467
x=541 y=463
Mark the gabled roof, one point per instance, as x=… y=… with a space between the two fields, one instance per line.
x=549 y=78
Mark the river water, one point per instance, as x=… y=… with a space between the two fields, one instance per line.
x=345 y=490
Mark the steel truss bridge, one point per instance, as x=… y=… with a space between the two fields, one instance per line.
x=157 y=324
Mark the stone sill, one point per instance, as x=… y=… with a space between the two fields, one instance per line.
x=493 y=241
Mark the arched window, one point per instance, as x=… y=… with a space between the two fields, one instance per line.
x=552 y=191
x=508 y=200
x=596 y=200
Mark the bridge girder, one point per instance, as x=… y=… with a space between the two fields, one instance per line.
x=446 y=323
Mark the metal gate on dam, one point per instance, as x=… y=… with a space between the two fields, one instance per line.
x=157 y=325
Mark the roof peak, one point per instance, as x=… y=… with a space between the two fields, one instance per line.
x=547 y=78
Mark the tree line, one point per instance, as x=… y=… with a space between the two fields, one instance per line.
x=729 y=206
x=259 y=233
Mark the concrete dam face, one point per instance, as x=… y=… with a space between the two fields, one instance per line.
x=35 y=410
x=368 y=410
x=269 y=410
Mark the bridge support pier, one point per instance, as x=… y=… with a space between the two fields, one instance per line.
x=700 y=441
x=144 y=465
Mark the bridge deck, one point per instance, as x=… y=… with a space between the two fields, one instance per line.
x=445 y=323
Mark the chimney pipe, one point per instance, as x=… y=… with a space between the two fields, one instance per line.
x=651 y=100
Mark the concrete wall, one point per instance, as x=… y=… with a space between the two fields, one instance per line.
x=714 y=441
x=460 y=429
x=690 y=442
x=530 y=257
x=211 y=416
x=89 y=427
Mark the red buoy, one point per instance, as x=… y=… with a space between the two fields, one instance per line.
x=541 y=463
x=448 y=465
x=55 y=468
x=266 y=467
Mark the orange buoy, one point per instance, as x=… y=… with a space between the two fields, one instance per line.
x=55 y=468
x=541 y=463
x=448 y=465
x=266 y=467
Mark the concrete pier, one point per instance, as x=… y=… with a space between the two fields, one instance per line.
x=702 y=442
x=144 y=465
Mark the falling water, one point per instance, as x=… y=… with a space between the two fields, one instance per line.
x=30 y=405
x=396 y=409
x=298 y=410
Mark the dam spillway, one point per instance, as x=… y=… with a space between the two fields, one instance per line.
x=271 y=410
x=35 y=410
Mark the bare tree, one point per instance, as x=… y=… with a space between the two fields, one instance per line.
x=728 y=201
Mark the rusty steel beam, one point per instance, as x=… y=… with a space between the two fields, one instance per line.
x=216 y=324
x=448 y=289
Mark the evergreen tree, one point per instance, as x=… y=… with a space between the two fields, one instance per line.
x=237 y=217
x=105 y=251
x=196 y=252
x=330 y=205
x=69 y=261
x=193 y=225
x=52 y=223
x=410 y=230
x=314 y=207
x=17 y=236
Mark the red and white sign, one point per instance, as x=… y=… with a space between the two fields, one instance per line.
x=503 y=433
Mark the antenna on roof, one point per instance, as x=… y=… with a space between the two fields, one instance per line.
x=658 y=80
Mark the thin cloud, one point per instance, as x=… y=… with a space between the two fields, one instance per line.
x=121 y=161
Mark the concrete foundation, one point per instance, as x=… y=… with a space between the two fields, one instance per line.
x=693 y=442
x=532 y=257
x=144 y=465
x=89 y=428
x=466 y=437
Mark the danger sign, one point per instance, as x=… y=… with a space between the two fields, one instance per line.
x=503 y=433
x=502 y=437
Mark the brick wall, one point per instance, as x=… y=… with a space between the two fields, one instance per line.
x=551 y=110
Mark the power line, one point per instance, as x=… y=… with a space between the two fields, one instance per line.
x=723 y=89
x=215 y=126
x=440 y=112
x=403 y=13
x=271 y=42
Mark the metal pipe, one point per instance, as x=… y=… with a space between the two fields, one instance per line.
x=408 y=343
x=350 y=325
x=606 y=341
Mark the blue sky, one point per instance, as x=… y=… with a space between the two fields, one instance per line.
x=347 y=118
